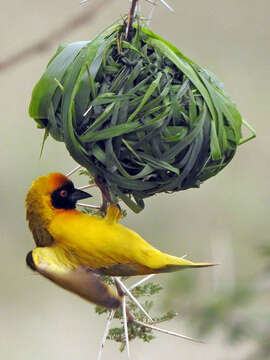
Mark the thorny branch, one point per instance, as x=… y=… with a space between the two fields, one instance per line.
x=56 y=35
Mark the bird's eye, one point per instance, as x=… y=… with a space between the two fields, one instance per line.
x=63 y=193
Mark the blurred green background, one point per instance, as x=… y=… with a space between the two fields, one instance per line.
x=225 y=221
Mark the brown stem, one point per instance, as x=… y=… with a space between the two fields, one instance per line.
x=106 y=197
x=130 y=18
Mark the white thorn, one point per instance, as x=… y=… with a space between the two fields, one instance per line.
x=167 y=332
x=88 y=110
x=90 y=186
x=125 y=289
x=73 y=171
x=141 y=281
x=166 y=5
x=125 y=324
x=104 y=338
x=94 y=207
x=184 y=256
x=150 y=16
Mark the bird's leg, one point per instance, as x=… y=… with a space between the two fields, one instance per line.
x=113 y=214
x=106 y=197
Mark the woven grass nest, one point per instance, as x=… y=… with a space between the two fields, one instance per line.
x=137 y=113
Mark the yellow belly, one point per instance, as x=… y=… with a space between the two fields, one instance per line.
x=100 y=245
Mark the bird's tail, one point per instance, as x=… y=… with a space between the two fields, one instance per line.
x=168 y=263
x=186 y=265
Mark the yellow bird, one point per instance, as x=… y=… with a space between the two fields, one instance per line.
x=73 y=248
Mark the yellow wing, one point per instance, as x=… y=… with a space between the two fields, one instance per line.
x=59 y=267
x=110 y=248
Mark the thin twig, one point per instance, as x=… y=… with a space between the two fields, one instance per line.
x=166 y=5
x=90 y=186
x=141 y=281
x=150 y=16
x=73 y=171
x=154 y=3
x=94 y=207
x=55 y=36
x=164 y=320
x=124 y=308
x=131 y=14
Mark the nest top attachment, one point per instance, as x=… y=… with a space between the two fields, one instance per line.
x=137 y=113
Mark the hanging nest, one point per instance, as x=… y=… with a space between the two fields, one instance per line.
x=137 y=113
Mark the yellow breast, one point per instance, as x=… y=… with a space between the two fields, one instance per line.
x=98 y=243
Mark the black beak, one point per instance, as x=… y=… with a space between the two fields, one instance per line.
x=79 y=195
x=30 y=261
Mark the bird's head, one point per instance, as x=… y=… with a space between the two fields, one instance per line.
x=58 y=189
